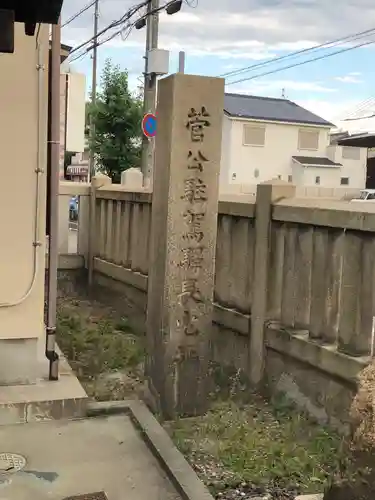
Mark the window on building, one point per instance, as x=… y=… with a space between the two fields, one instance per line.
x=317 y=179
x=290 y=178
x=351 y=153
x=344 y=181
x=308 y=139
x=253 y=135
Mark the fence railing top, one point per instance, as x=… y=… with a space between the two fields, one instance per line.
x=74 y=188
x=238 y=206
x=118 y=193
x=329 y=213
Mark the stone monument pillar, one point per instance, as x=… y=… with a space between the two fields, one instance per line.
x=183 y=241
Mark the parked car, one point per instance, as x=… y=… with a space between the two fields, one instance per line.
x=365 y=195
x=73 y=208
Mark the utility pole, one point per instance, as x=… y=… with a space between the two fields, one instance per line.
x=150 y=81
x=93 y=89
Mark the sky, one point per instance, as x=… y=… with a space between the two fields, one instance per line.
x=221 y=36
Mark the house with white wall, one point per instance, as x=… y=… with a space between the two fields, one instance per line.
x=266 y=138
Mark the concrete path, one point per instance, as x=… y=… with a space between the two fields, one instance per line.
x=60 y=459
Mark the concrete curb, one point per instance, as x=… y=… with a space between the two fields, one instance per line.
x=179 y=472
x=317 y=496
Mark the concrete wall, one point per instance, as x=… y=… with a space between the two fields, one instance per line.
x=75 y=117
x=319 y=303
x=337 y=193
x=22 y=151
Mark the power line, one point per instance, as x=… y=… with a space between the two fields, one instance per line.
x=330 y=44
x=114 y=24
x=121 y=31
x=78 y=13
x=129 y=13
x=301 y=63
x=102 y=42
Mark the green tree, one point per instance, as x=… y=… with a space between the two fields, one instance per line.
x=117 y=116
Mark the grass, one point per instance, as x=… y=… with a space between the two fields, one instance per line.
x=259 y=443
x=271 y=447
x=106 y=355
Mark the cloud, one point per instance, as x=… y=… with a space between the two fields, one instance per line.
x=250 y=29
x=349 y=78
x=329 y=110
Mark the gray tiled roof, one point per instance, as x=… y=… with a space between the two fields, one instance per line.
x=269 y=108
x=322 y=161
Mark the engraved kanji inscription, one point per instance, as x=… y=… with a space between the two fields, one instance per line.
x=191 y=290
x=188 y=322
x=197 y=122
x=186 y=352
x=196 y=161
x=192 y=257
x=194 y=220
x=194 y=190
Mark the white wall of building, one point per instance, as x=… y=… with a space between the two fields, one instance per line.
x=252 y=164
x=274 y=158
x=328 y=177
x=226 y=150
x=354 y=162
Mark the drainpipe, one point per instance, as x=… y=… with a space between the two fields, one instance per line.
x=54 y=149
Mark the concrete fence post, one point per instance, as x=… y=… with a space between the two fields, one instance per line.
x=63 y=229
x=183 y=241
x=97 y=182
x=267 y=193
x=83 y=227
x=132 y=178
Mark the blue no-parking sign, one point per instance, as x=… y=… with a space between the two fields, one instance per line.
x=149 y=125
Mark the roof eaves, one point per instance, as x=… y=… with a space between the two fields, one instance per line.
x=280 y=120
x=321 y=165
x=296 y=161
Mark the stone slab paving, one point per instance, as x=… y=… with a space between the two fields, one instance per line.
x=101 y=455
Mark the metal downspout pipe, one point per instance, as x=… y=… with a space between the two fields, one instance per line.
x=51 y=353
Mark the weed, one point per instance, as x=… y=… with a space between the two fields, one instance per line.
x=262 y=445
x=104 y=353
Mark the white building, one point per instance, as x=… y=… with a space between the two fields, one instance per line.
x=265 y=138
